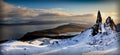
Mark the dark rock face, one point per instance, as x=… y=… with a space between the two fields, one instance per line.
x=118 y=27
x=95 y=29
x=110 y=22
x=99 y=18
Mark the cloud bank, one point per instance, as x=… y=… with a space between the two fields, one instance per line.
x=23 y=13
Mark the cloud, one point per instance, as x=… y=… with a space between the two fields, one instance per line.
x=112 y=14
x=12 y=11
x=23 y=13
x=55 y=14
x=56 y=9
x=85 y=15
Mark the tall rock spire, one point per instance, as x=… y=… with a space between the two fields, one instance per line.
x=97 y=27
x=99 y=18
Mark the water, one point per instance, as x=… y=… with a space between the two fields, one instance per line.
x=13 y=32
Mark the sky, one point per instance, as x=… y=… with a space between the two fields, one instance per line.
x=74 y=7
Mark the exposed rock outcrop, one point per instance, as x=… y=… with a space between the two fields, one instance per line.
x=118 y=27
x=97 y=27
x=99 y=18
x=102 y=27
x=109 y=22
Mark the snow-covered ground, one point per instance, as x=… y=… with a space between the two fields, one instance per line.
x=104 y=43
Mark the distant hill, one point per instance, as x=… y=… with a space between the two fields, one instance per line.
x=24 y=22
x=71 y=27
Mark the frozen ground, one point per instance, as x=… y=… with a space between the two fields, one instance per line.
x=104 y=43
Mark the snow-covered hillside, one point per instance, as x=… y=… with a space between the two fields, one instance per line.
x=82 y=44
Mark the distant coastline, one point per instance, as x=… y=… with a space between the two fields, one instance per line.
x=60 y=32
x=33 y=23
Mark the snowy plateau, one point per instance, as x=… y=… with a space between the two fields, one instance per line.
x=105 y=42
